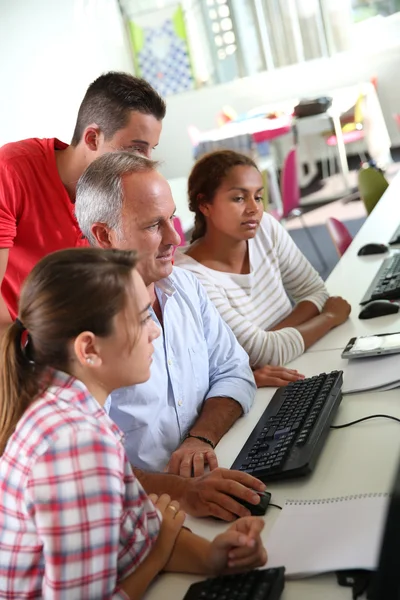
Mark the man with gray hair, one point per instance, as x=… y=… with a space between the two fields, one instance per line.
x=200 y=382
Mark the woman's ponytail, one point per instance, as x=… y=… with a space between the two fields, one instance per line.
x=19 y=380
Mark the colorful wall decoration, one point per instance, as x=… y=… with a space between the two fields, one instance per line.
x=161 y=51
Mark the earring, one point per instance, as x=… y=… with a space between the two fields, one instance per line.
x=89 y=360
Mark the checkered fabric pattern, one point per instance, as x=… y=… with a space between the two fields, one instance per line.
x=74 y=520
x=170 y=73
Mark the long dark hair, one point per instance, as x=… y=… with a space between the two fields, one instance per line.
x=67 y=292
x=206 y=177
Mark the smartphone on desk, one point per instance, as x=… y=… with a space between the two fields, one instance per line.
x=372 y=345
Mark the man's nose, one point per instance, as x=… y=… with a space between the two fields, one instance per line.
x=171 y=237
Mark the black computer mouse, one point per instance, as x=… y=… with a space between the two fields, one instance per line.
x=256 y=510
x=372 y=249
x=378 y=308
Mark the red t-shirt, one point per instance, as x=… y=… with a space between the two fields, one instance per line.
x=36 y=213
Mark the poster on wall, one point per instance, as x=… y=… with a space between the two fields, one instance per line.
x=161 y=52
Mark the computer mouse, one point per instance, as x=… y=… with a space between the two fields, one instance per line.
x=372 y=249
x=256 y=510
x=378 y=308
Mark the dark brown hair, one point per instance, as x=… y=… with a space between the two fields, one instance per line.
x=206 y=177
x=110 y=99
x=66 y=293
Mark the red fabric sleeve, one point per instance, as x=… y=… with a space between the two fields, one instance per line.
x=11 y=196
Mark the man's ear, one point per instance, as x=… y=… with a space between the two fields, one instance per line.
x=91 y=137
x=103 y=234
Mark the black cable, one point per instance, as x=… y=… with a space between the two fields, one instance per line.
x=276 y=505
x=365 y=419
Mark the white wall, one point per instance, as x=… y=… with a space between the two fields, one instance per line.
x=50 y=51
x=308 y=79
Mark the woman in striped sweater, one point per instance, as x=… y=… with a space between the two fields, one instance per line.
x=263 y=286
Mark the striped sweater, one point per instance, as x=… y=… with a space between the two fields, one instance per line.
x=253 y=304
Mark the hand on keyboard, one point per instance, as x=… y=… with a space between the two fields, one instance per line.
x=338 y=308
x=238 y=549
x=210 y=495
x=268 y=376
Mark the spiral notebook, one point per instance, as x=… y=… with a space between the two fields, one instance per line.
x=330 y=534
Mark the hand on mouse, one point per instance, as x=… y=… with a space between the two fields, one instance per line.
x=338 y=309
x=211 y=494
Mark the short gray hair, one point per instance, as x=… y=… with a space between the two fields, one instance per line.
x=99 y=192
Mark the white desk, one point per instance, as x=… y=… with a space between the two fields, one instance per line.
x=358 y=459
x=353 y=274
x=342 y=469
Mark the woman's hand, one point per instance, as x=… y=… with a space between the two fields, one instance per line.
x=268 y=376
x=239 y=548
x=172 y=522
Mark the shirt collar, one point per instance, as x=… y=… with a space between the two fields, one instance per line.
x=166 y=286
x=86 y=403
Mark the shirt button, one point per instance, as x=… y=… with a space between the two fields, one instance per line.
x=170 y=362
x=180 y=402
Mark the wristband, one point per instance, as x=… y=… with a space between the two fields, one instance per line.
x=201 y=438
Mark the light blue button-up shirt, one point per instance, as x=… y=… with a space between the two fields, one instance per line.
x=196 y=357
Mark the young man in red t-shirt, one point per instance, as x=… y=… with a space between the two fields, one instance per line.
x=38 y=176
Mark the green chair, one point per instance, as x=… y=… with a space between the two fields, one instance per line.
x=371 y=185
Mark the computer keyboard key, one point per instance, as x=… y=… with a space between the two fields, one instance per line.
x=302 y=413
x=266 y=584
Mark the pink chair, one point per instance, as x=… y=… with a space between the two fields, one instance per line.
x=290 y=193
x=179 y=230
x=340 y=235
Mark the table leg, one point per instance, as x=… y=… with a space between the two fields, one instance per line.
x=341 y=150
x=274 y=187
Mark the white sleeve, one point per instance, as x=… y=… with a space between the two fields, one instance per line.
x=299 y=277
x=263 y=347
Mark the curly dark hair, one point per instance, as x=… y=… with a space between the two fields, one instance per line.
x=206 y=177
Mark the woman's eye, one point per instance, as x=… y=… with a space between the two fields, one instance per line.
x=147 y=319
x=238 y=199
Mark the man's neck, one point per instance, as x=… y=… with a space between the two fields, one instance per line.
x=70 y=165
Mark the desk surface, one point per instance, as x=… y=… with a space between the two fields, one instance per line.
x=353 y=274
x=359 y=459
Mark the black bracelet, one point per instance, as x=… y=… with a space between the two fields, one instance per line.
x=201 y=438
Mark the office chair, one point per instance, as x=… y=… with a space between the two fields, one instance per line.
x=371 y=185
x=340 y=235
x=352 y=130
x=290 y=193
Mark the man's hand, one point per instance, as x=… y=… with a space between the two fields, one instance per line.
x=338 y=309
x=268 y=376
x=191 y=457
x=210 y=495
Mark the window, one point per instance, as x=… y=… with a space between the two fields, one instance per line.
x=230 y=39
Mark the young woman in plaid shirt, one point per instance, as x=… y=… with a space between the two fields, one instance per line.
x=74 y=521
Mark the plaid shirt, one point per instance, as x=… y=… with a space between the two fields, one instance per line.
x=74 y=520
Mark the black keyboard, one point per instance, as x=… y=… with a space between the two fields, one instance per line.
x=395 y=239
x=386 y=283
x=254 y=585
x=289 y=436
